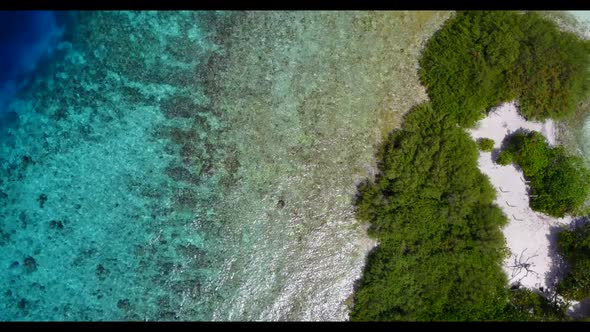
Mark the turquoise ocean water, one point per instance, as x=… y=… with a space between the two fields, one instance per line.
x=199 y=165
x=582 y=15
x=98 y=207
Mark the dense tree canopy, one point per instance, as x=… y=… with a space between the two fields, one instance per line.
x=486 y=144
x=479 y=59
x=440 y=241
x=439 y=232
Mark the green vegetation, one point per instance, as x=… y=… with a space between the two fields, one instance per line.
x=479 y=59
x=440 y=240
x=440 y=244
x=526 y=305
x=558 y=181
x=574 y=247
x=486 y=144
x=505 y=158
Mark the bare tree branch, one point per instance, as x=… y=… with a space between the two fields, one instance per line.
x=521 y=265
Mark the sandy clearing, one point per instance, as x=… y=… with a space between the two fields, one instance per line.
x=528 y=233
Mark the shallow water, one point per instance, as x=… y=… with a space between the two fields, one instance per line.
x=200 y=165
x=582 y=15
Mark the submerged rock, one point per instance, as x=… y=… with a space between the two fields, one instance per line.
x=101 y=272
x=22 y=304
x=22 y=217
x=56 y=224
x=42 y=199
x=181 y=174
x=167 y=315
x=26 y=161
x=123 y=304
x=179 y=107
x=30 y=264
x=4 y=237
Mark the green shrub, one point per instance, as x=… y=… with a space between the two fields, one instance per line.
x=486 y=144
x=526 y=305
x=505 y=158
x=559 y=182
x=530 y=151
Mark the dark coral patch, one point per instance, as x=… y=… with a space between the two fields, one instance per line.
x=123 y=304
x=101 y=272
x=42 y=199
x=179 y=107
x=30 y=264
x=181 y=174
x=22 y=304
x=26 y=161
x=4 y=237
x=186 y=197
x=56 y=224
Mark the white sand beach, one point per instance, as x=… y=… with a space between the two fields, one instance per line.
x=527 y=233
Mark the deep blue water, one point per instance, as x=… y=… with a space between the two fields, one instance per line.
x=25 y=38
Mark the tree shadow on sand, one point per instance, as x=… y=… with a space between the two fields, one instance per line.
x=559 y=269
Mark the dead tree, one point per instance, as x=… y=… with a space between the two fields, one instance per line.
x=521 y=265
